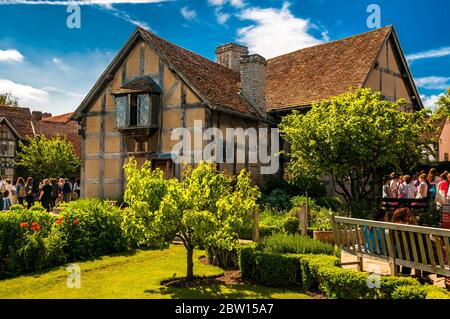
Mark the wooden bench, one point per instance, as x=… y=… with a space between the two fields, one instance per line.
x=422 y=248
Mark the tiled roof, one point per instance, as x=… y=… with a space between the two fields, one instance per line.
x=218 y=84
x=319 y=72
x=54 y=128
x=19 y=118
x=292 y=80
x=63 y=118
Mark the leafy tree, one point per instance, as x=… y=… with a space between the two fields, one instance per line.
x=352 y=135
x=8 y=99
x=443 y=108
x=205 y=208
x=43 y=157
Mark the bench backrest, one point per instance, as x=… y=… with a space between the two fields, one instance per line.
x=423 y=248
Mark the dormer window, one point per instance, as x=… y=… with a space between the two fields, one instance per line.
x=137 y=104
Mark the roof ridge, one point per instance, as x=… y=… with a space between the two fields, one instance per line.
x=334 y=41
x=187 y=50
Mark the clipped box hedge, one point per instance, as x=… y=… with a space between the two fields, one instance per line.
x=323 y=273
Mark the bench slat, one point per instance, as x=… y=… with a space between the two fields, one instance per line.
x=406 y=246
x=398 y=247
x=414 y=248
x=431 y=253
x=422 y=248
x=383 y=242
x=439 y=252
x=447 y=249
x=375 y=236
x=357 y=239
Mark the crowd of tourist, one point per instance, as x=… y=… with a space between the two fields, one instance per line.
x=419 y=186
x=49 y=192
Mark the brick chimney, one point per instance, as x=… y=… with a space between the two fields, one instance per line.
x=36 y=116
x=253 y=80
x=229 y=55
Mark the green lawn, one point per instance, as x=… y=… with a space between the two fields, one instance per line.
x=134 y=276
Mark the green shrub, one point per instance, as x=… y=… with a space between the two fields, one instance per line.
x=21 y=240
x=343 y=283
x=278 y=199
x=277 y=269
x=269 y=269
x=31 y=240
x=409 y=292
x=434 y=292
x=295 y=244
x=270 y=221
x=90 y=228
x=267 y=230
x=389 y=284
x=309 y=267
x=291 y=225
x=321 y=219
x=247 y=262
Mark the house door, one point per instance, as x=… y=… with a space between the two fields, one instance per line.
x=165 y=165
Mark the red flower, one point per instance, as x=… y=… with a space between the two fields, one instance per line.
x=75 y=221
x=59 y=221
x=35 y=226
x=24 y=225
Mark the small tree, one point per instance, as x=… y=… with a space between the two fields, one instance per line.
x=204 y=208
x=443 y=108
x=43 y=157
x=8 y=99
x=351 y=136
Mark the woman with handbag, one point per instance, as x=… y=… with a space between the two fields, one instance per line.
x=20 y=190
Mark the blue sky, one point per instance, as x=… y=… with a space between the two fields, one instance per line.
x=51 y=67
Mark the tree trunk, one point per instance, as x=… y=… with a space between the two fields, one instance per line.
x=190 y=263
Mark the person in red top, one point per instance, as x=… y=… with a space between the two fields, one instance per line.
x=443 y=185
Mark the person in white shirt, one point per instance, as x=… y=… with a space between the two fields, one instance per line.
x=422 y=189
x=408 y=189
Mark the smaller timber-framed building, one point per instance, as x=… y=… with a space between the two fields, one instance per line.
x=153 y=87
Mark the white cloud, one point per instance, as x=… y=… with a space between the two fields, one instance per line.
x=25 y=93
x=105 y=4
x=42 y=84
x=10 y=55
x=125 y=16
x=429 y=101
x=237 y=3
x=325 y=36
x=429 y=54
x=221 y=3
x=433 y=82
x=188 y=14
x=77 y=2
x=275 y=31
x=51 y=89
x=222 y=17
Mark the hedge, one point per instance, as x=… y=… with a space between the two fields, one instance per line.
x=296 y=244
x=323 y=273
